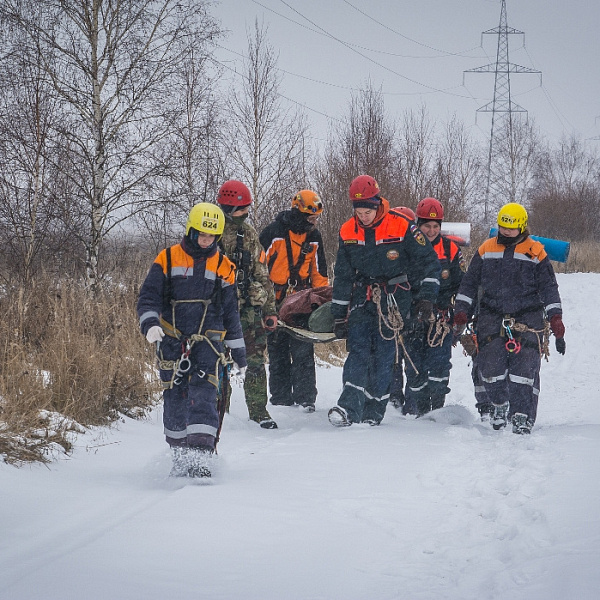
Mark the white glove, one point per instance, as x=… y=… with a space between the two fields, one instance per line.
x=237 y=374
x=155 y=334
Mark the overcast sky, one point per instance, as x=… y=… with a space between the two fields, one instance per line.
x=416 y=53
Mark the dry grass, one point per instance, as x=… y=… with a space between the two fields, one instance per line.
x=65 y=360
x=584 y=257
x=333 y=353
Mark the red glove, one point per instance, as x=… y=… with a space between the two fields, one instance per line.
x=458 y=326
x=557 y=326
x=460 y=319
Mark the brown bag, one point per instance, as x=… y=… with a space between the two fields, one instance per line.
x=297 y=307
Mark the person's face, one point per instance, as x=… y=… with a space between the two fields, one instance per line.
x=312 y=219
x=365 y=215
x=506 y=232
x=205 y=239
x=431 y=229
x=241 y=211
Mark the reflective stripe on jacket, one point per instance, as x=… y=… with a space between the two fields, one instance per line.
x=514 y=280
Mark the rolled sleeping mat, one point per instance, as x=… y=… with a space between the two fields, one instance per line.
x=460 y=233
x=556 y=250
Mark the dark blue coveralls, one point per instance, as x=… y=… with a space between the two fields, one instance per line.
x=518 y=288
x=194 y=299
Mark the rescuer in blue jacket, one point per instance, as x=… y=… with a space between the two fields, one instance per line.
x=372 y=299
x=519 y=304
x=188 y=306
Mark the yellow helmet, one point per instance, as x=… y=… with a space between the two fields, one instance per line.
x=206 y=218
x=513 y=216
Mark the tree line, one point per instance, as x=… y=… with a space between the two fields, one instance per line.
x=114 y=118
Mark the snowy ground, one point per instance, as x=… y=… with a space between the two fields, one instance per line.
x=413 y=509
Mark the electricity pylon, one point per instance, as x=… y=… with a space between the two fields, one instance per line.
x=501 y=184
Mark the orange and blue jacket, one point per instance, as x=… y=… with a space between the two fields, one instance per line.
x=389 y=252
x=308 y=256
x=172 y=295
x=515 y=280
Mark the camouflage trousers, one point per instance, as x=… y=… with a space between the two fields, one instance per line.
x=255 y=384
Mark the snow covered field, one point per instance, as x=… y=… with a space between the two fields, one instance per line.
x=413 y=509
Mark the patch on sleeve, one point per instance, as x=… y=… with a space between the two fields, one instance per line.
x=418 y=234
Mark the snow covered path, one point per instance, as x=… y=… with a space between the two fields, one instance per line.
x=413 y=509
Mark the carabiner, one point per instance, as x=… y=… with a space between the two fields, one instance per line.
x=513 y=346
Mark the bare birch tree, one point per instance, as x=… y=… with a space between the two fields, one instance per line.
x=265 y=142
x=192 y=153
x=110 y=64
x=31 y=226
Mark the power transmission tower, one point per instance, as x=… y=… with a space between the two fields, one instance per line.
x=501 y=184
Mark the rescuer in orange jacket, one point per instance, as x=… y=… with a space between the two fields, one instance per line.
x=296 y=261
x=372 y=299
x=430 y=344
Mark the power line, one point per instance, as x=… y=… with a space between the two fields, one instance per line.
x=501 y=177
x=328 y=83
x=345 y=44
x=444 y=54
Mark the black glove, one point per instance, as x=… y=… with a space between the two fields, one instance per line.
x=423 y=310
x=340 y=329
x=561 y=345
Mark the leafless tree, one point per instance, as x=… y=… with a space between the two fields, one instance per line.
x=192 y=153
x=416 y=156
x=265 y=142
x=110 y=63
x=459 y=174
x=362 y=143
x=31 y=225
x=565 y=196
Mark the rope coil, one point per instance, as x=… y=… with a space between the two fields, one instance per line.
x=393 y=322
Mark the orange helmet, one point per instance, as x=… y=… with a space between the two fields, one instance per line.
x=363 y=187
x=430 y=209
x=307 y=201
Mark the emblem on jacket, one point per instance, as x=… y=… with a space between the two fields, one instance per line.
x=392 y=254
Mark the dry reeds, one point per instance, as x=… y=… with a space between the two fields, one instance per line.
x=68 y=359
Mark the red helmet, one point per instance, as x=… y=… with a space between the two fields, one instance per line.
x=234 y=193
x=409 y=213
x=307 y=201
x=363 y=187
x=430 y=209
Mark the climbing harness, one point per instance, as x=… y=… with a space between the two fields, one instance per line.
x=182 y=366
x=393 y=322
x=543 y=341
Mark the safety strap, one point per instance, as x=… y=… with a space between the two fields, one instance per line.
x=294 y=269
